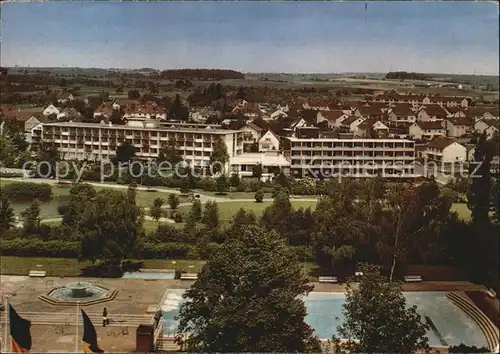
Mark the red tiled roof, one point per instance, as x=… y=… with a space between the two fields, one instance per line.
x=430 y=125
x=460 y=121
x=254 y=126
x=127 y=102
x=440 y=143
x=435 y=110
x=370 y=111
x=147 y=108
x=403 y=109
x=349 y=120
x=332 y=115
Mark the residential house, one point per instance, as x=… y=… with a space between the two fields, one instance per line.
x=307 y=132
x=352 y=123
x=369 y=112
x=122 y=103
x=490 y=126
x=427 y=130
x=105 y=110
x=450 y=101
x=402 y=114
x=279 y=113
x=456 y=112
x=333 y=117
x=64 y=97
x=431 y=112
x=317 y=105
x=69 y=113
x=445 y=150
x=251 y=136
x=148 y=110
x=399 y=132
x=457 y=127
x=250 y=110
x=51 y=109
x=482 y=112
x=372 y=128
x=269 y=142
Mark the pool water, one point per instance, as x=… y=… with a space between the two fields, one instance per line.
x=151 y=276
x=324 y=315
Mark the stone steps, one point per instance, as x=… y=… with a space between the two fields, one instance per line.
x=490 y=331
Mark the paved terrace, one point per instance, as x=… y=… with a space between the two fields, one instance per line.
x=53 y=327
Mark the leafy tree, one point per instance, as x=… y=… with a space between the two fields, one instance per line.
x=6 y=215
x=219 y=157
x=246 y=299
x=170 y=153
x=7 y=151
x=241 y=220
x=259 y=196
x=177 y=110
x=211 y=215
x=257 y=171
x=31 y=217
x=134 y=95
x=221 y=184
x=282 y=180
x=156 y=211
x=173 y=201
x=277 y=216
x=234 y=180
x=125 y=152
x=375 y=314
x=50 y=154
x=116 y=117
x=462 y=348
x=79 y=196
x=110 y=225
x=195 y=211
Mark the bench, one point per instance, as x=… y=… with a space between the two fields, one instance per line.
x=412 y=278
x=189 y=276
x=327 y=279
x=37 y=273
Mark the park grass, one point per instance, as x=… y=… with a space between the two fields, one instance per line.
x=228 y=209
x=71 y=267
x=144 y=198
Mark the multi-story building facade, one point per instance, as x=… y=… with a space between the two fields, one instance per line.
x=350 y=157
x=94 y=141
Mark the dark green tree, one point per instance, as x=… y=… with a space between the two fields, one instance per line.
x=375 y=314
x=234 y=180
x=259 y=196
x=257 y=171
x=247 y=299
x=125 y=152
x=6 y=215
x=219 y=157
x=211 y=215
x=31 y=217
x=156 y=211
x=134 y=95
x=221 y=184
x=173 y=201
x=170 y=153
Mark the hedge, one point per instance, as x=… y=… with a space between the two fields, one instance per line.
x=26 y=191
x=167 y=250
x=38 y=248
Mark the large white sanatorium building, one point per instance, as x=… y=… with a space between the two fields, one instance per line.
x=351 y=157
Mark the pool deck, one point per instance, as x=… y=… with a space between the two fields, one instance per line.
x=53 y=328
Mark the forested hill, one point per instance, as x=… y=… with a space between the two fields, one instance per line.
x=403 y=75
x=201 y=74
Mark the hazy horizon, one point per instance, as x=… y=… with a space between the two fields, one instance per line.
x=255 y=37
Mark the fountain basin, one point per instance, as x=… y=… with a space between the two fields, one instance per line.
x=83 y=293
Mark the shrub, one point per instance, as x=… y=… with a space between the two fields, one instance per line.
x=30 y=247
x=26 y=191
x=167 y=250
x=259 y=196
x=462 y=348
x=177 y=217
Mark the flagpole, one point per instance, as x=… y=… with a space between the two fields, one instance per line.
x=7 y=327
x=77 y=314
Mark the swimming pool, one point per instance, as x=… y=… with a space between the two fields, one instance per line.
x=147 y=275
x=324 y=314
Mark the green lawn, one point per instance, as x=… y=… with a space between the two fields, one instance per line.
x=462 y=210
x=233 y=195
x=70 y=267
x=228 y=209
x=143 y=198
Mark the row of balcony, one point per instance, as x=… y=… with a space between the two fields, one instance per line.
x=354 y=148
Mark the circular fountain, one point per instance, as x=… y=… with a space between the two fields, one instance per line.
x=85 y=293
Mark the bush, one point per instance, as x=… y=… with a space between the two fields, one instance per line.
x=26 y=191
x=30 y=247
x=462 y=348
x=303 y=253
x=157 y=250
x=177 y=217
x=259 y=196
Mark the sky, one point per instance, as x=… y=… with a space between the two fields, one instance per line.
x=292 y=37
